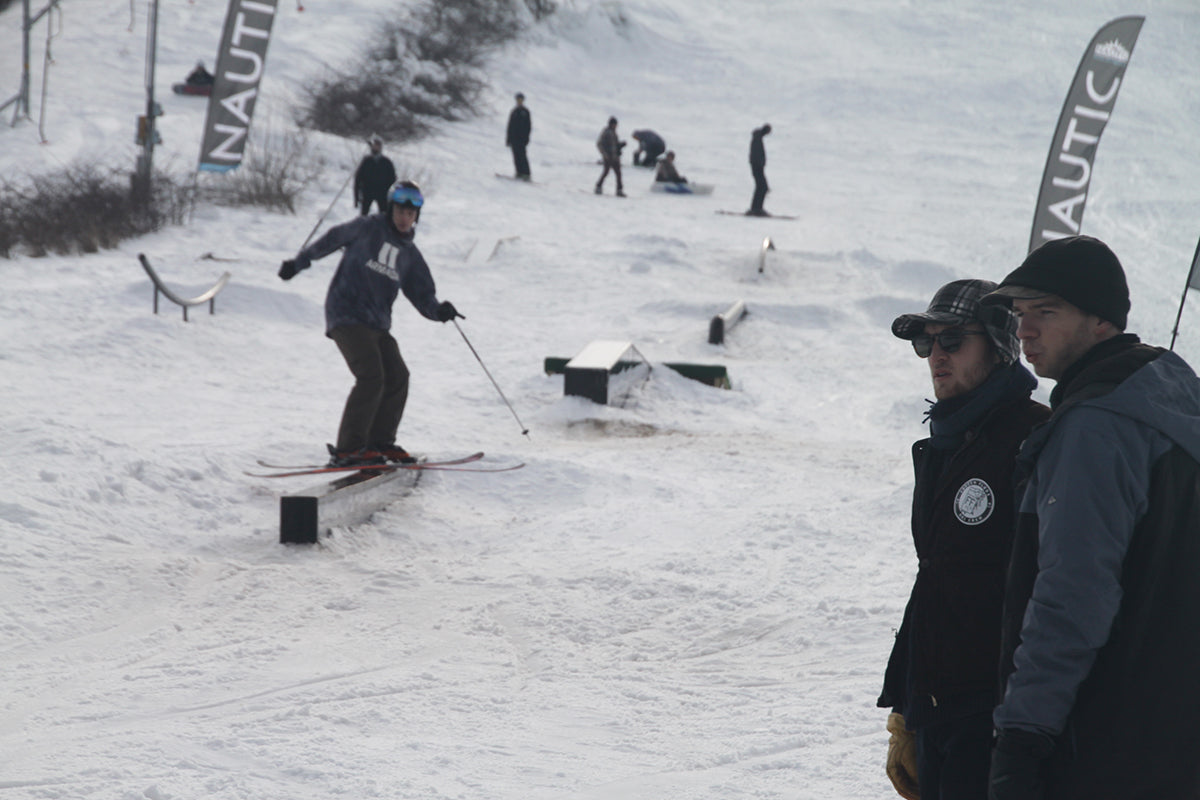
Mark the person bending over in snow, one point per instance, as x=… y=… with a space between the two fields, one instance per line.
x=650 y=147
x=379 y=260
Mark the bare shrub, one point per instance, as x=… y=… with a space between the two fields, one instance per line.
x=275 y=169
x=357 y=104
x=456 y=32
x=540 y=9
x=427 y=65
x=84 y=208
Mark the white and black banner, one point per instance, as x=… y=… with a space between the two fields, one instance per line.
x=1088 y=108
x=1194 y=275
x=240 y=63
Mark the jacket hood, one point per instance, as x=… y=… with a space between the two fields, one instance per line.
x=1163 y=394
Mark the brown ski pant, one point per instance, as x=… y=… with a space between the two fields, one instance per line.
x=376 y=403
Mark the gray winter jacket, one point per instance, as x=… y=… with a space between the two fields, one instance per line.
x=1088 y=488
x=378 y=262
x=609 y=145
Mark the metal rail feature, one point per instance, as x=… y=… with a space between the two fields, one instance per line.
x=209 y=297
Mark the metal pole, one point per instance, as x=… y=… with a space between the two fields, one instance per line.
x=326 y=214
x=46 y=74
x=1186 y=286
x=146 y=159
x=23 y=102
x=524 y=430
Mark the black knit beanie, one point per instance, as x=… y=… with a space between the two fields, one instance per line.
x=1080 y=269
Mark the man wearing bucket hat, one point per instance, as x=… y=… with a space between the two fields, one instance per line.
x=1100 y=651
x=941 y=676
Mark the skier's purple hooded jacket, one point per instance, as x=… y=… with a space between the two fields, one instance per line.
x=378 y=263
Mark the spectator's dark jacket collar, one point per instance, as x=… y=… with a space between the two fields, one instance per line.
x=1108 y=363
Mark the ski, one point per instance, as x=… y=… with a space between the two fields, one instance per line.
x=446 y=462
x=436 y=468
x=755 y=216
x=421 y=465
x=380 y=469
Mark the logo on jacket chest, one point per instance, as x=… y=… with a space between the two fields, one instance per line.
x=974 y=502
x=385 y=262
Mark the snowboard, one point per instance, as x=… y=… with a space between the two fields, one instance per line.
x=513 y=178
x=192 y=89
x=668 y=187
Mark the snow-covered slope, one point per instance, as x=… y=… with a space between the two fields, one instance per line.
x=689 y=597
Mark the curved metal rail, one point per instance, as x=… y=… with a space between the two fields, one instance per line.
x=209 y=297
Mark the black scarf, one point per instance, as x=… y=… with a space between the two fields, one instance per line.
x=949 y=420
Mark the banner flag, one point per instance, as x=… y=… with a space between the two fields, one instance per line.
x=1087 y=109
x=1194 y=275
x=240 y=64
x=1193 y=282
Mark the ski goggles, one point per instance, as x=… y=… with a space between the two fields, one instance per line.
x=949 y=340
x=407 y=196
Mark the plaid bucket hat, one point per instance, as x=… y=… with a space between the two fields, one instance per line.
x=958 y=303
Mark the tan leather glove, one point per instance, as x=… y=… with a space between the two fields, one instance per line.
x=902 y=758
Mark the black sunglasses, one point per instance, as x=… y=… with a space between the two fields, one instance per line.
x=950 y=340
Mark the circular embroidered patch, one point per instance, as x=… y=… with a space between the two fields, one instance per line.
x=974 y=502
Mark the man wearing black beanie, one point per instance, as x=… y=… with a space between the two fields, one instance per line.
x=1100 y=646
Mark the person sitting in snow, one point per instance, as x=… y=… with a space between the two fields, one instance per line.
x=650 y=147
x=666 y=172
x=379 y=260
x=199 y=76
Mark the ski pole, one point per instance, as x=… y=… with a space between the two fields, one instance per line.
x=524 y=430
x=326 y=214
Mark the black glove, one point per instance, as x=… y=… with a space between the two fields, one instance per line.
x=288 y=269
x=446 y=312
x=1017 y=761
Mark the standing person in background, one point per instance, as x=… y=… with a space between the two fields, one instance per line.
x=941 y=677
x=758 y=166
x=650 y=147
x=373 y=178
x=610 y=146
x=517 y=137
x=379 y=260
x=1101 y=627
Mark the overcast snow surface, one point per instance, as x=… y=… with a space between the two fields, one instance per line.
x=691 y=596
